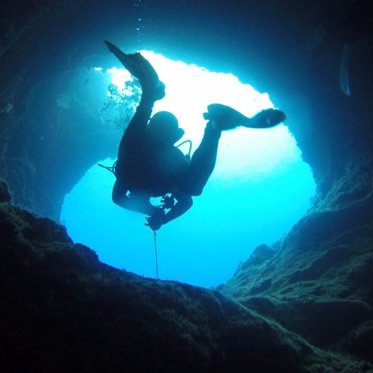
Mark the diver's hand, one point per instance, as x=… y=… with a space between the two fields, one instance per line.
x=155 y=221
x=267 y=118
x=167 y=202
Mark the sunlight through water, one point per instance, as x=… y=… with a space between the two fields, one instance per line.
x=259 y=189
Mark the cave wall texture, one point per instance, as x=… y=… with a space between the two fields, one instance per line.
x=310 y=293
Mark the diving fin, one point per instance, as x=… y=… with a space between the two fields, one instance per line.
x=227 y=118
x=140 y=68
x=135 y=63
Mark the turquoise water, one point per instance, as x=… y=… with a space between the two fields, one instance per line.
x=259 y=189
x=204 y=246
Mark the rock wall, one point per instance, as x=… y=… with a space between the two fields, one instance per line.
x=59 y=304
x=62 y=310
x=318 y=281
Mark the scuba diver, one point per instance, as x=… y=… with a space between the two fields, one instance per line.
x=150 y=165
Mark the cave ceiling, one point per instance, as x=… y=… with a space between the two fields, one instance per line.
x=292 y=49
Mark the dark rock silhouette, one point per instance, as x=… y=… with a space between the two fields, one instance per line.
x=62 y=310
x=303 y=305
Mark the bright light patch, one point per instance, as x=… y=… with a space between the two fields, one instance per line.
x=258 y=190
x=119 y=77
x=190 y=88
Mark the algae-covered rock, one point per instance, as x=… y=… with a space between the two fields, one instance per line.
x=319 y=283
x=62 y=310
x=5 y=195
x=360 y=340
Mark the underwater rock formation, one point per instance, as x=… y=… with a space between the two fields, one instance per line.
x=62 y=310
x=319 y=280
x=5 y=195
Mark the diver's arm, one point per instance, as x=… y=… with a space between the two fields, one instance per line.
x=183 y=203
x=183 y=200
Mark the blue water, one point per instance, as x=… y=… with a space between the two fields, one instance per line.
x=259 y=189
x=204 y=246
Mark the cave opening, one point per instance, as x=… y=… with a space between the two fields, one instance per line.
x=259 y=189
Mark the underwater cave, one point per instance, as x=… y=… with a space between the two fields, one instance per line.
x=270 y=269
x=259 y=189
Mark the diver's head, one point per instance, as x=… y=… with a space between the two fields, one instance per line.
x=163 y=129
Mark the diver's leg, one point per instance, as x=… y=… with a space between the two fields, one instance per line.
x=135 y=63
x=136 y=201
x=130 y=152
x=131 y=146
x=203 y=161
x=130 y=165
x=227 y=118
x=141 y=68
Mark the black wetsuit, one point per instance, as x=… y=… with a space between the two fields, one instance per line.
x=144 y=170
x=144 y=166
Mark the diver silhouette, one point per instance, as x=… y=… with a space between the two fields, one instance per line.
x=150 y=165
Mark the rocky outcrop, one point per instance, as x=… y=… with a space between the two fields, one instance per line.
x=62 y=310
x=5 y=195
x=318 y=282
